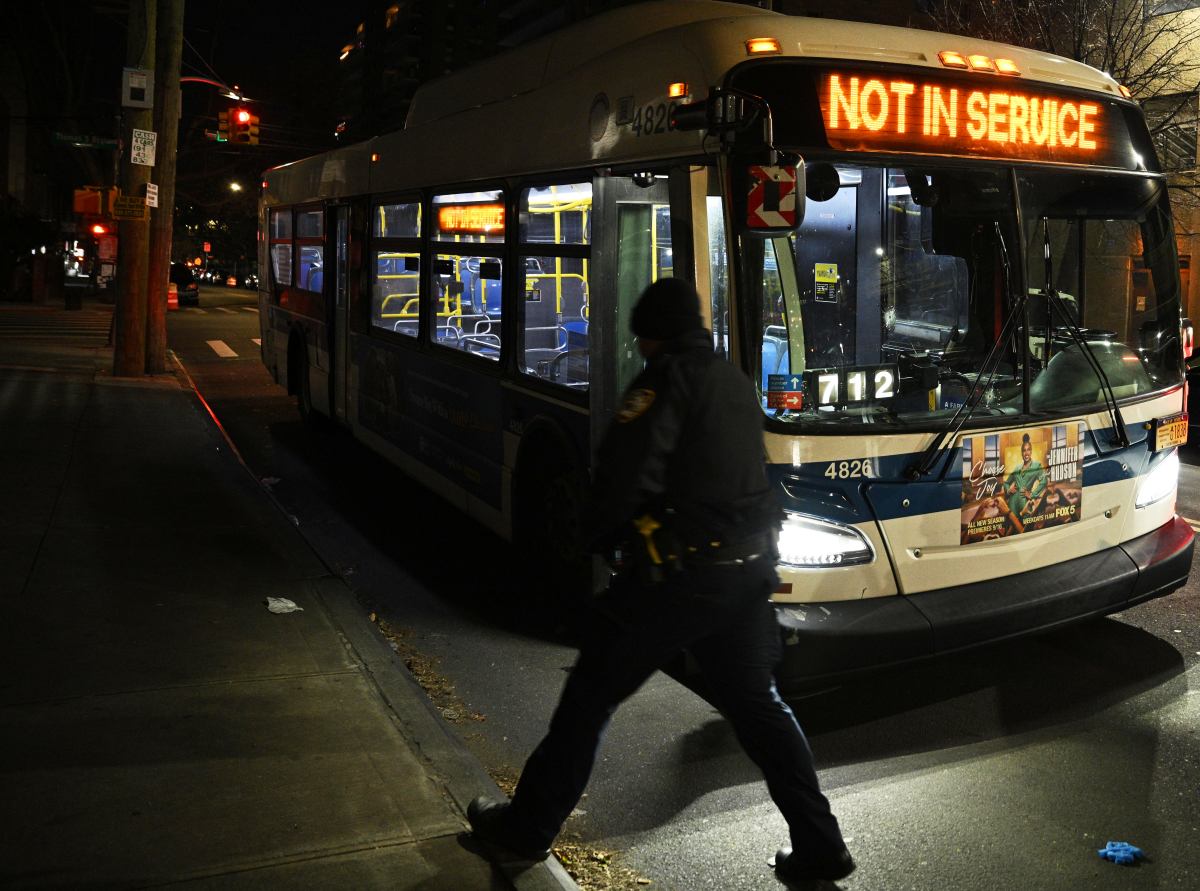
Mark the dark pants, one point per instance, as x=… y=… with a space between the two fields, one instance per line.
x=723 y=616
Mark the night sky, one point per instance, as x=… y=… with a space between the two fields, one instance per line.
x=283 y=56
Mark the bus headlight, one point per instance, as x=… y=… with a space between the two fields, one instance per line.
x=808 y=541
x=1159 y=482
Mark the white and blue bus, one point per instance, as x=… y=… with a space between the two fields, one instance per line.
x=949 y=265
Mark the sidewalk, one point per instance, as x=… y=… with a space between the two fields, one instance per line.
x=160 y=725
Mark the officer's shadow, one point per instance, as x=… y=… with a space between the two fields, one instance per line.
x=945 y=706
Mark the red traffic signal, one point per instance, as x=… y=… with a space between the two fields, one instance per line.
x=243 y=126
x=99 y=229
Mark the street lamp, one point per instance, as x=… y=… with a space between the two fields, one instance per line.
x=235 y=187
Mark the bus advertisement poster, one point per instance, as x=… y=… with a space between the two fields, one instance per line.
x=1018 y=481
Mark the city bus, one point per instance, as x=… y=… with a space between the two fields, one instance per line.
x=949 y=265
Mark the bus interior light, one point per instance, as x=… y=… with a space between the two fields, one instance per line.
x=951 y=59
x=980 y=62
x=810 y=541
x=1007 y=66
x=678 y=90
x=1159 y=482
x=762 y=45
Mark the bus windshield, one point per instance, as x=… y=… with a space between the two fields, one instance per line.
x=897 y=299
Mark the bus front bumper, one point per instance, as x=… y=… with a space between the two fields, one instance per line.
x=831 y=639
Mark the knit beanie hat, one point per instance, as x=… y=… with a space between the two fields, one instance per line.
x=668 y=308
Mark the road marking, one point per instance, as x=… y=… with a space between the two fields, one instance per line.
x=232 y=312
x=202 y=312
x=221 y=348
x=257 y=341
x=250 y=308
x=1195 y=524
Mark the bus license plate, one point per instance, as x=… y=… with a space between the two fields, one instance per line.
x=1170 y=432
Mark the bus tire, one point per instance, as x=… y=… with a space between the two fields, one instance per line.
x=300 y=381
x=552 y=493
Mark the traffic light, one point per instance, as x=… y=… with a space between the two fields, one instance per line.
x=245 y=126
x=223 y=126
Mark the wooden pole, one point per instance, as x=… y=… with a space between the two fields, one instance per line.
x=129 y=351
x=162 y=219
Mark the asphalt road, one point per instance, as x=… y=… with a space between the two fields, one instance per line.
x=1004 y=768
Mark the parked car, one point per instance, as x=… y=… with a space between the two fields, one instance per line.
x=185 y=282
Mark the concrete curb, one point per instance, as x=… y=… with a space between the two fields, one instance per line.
x=447 y=758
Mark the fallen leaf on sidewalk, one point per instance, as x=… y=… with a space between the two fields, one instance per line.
x=282 y=605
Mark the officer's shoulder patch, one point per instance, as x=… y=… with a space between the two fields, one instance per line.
x=637 y=403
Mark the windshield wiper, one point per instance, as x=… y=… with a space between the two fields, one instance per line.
x=1054 y=302
x=963 y=413
x=1110 y=398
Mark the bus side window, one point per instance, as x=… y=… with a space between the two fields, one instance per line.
x=555 y=247
x=310 y=253
x=281 y=249
x=396 y=270
x=468 y=229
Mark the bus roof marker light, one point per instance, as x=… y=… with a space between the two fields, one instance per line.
x=1008 y=67
x=1125 y=91
x=757 y=46
x=981 y=62
x=374 y=157
x=951 y=59
x=678 y=90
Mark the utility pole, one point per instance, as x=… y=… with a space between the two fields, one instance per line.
x=129 y=350
x=166 y=108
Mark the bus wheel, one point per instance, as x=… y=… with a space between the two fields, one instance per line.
x=551 y=500
x=300 y=383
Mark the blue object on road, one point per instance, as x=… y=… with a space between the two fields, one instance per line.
x=1121 y=852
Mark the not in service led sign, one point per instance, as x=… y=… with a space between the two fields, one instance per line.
x=471 y=219
x=877 y=112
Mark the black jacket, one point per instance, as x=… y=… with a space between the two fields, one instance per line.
x=687 y=438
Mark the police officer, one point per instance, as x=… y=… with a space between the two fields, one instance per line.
x=680 y=490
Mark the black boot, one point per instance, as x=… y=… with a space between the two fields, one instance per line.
x=791 y=867
x=492 y=824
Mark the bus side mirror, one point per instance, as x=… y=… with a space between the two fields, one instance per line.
x=769 y=197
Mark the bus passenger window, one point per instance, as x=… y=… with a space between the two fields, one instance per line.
x=396 y=270
x=396 y=293
x=310 y=250
x=281 y=246
x=555 y=233
x=468 y=305
x=311 y=272
x=467 y=273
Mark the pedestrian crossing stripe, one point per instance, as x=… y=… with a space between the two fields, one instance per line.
x=222 y=349
x=227 y=309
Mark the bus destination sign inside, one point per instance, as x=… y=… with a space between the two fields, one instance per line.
x=967 y=116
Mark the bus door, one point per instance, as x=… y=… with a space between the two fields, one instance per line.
x=339 y=367
x=642 y=233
